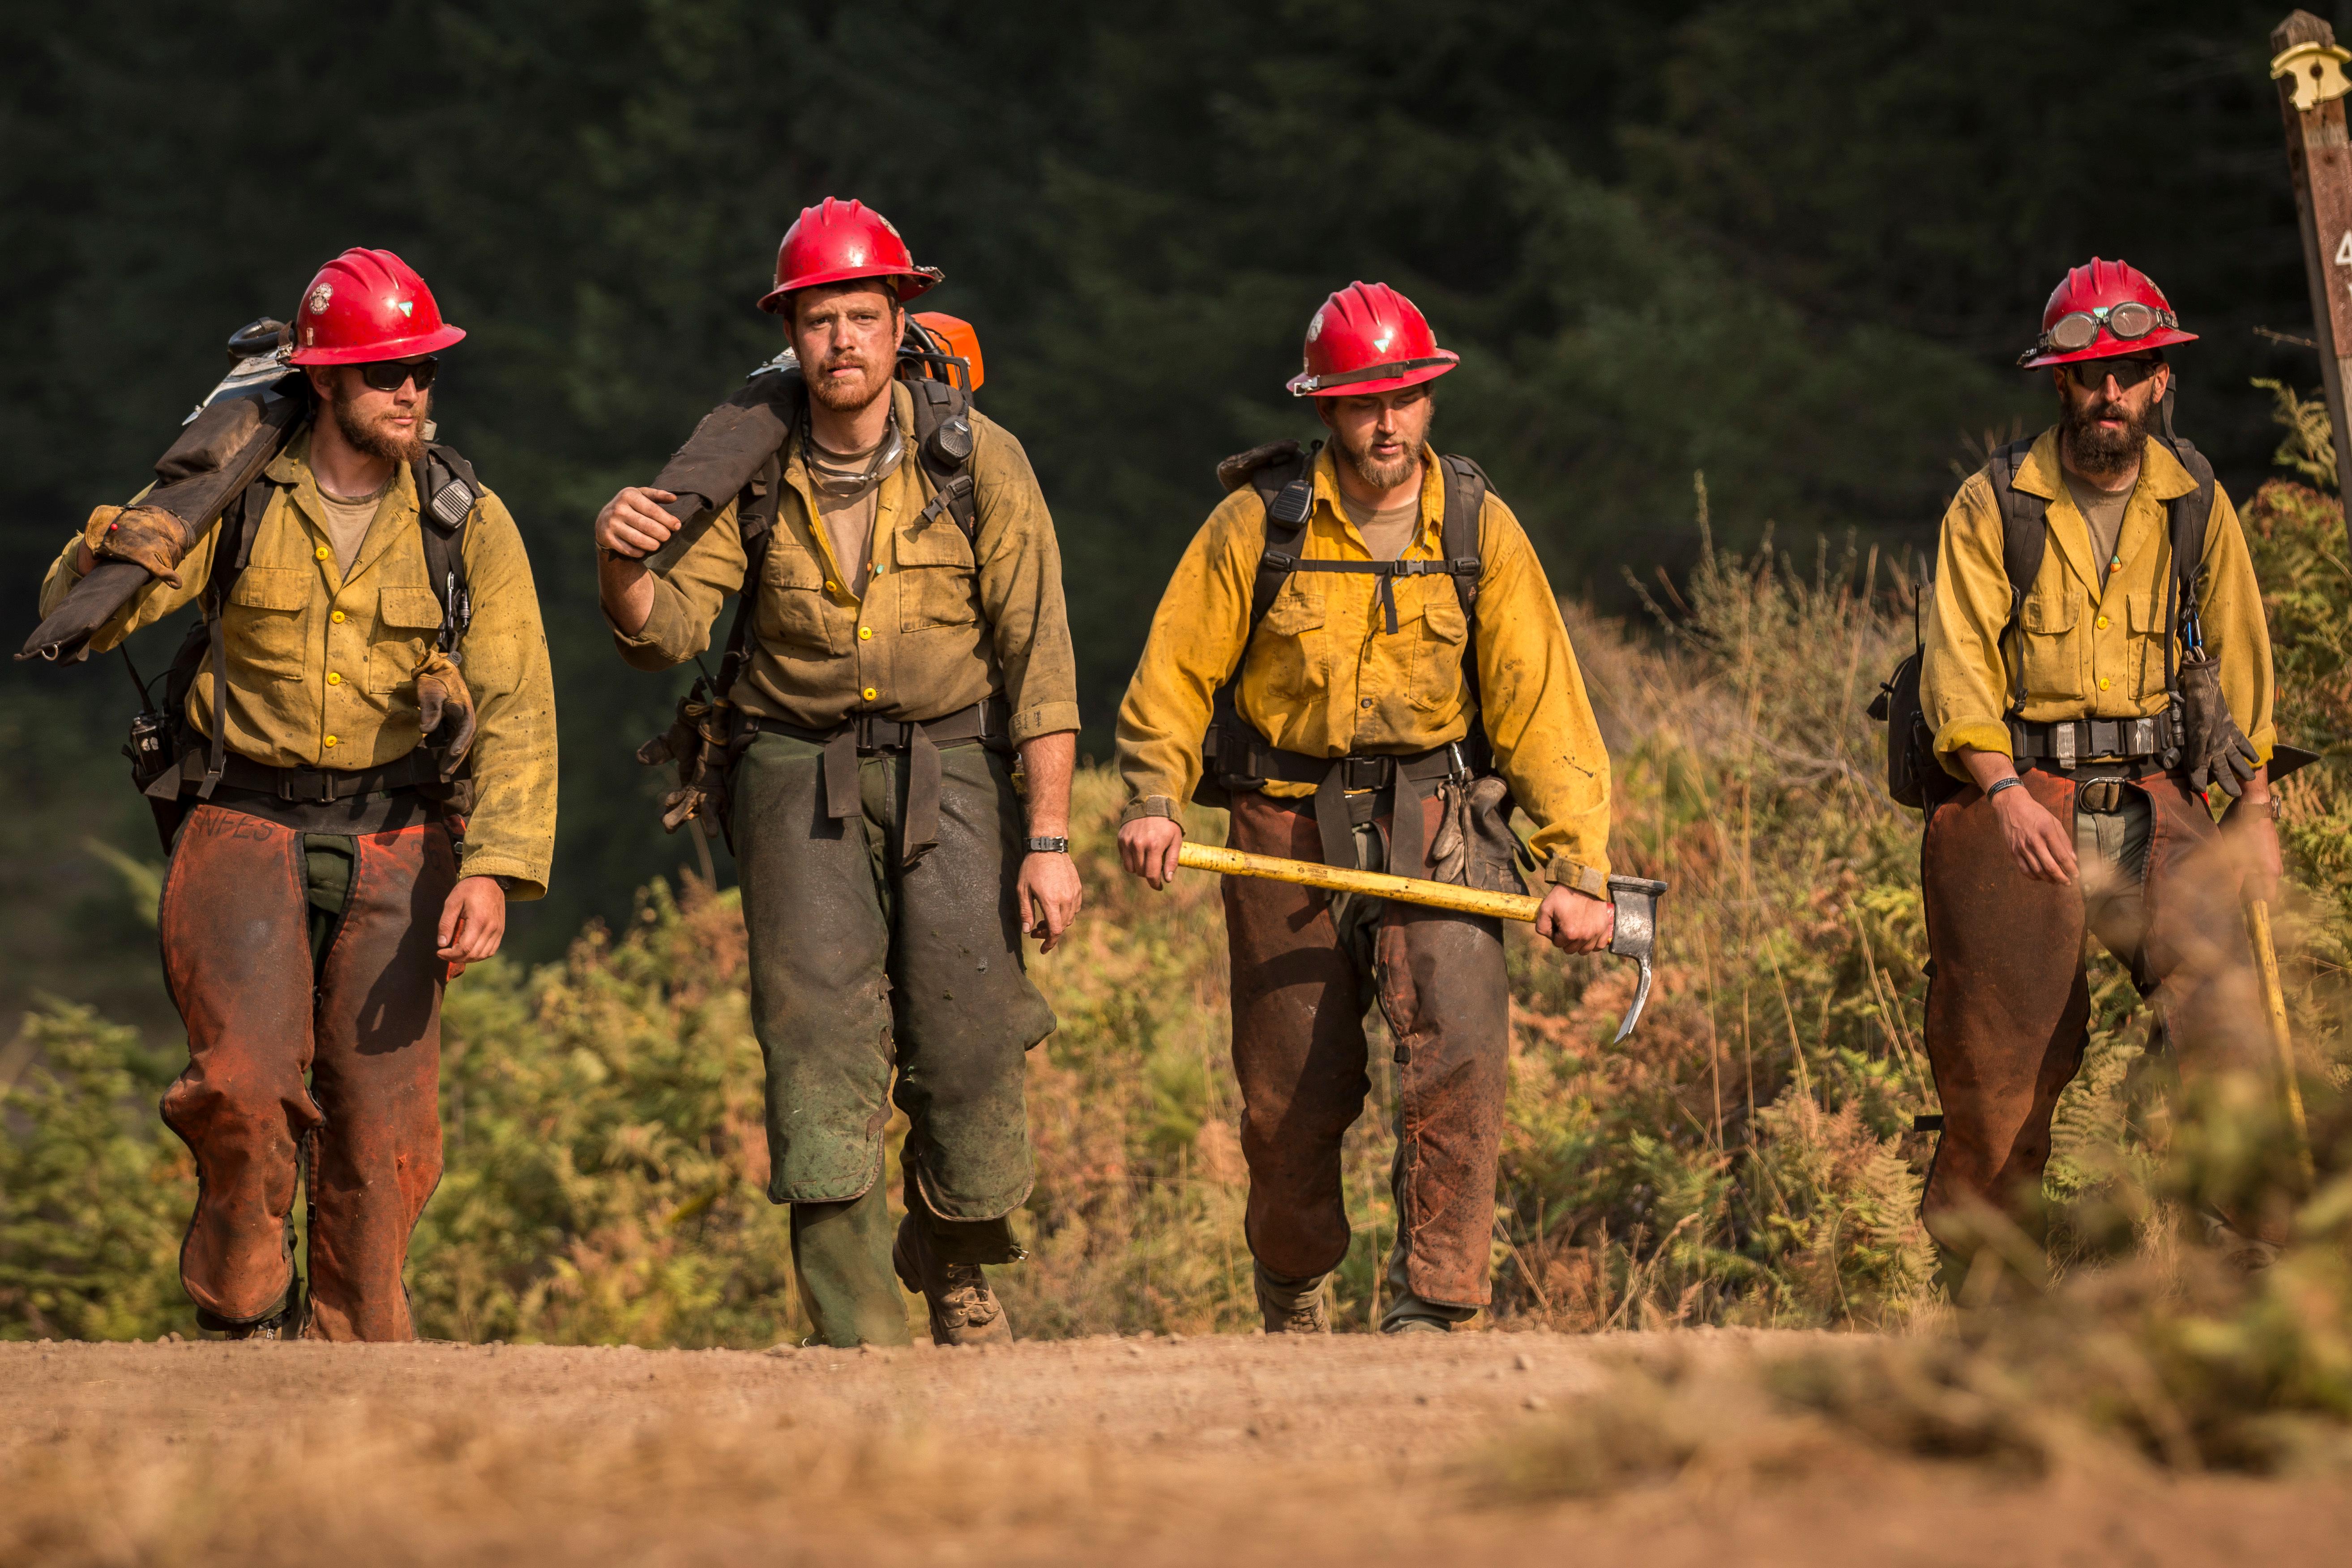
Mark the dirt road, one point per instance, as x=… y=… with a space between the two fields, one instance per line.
x=1139 y=1452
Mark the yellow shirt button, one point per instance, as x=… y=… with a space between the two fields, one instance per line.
x=322 y=552
x=334 y=679
x=2103 y=623
x=2102 y=683
x=331 y=740
x=866 y=634
x=869 y=694
x=337 y=617
x=832 y=587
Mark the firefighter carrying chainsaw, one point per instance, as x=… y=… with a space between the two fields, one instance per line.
x=899 y=640
x=353 y=764
x=1359 y=655
x=2096 y=672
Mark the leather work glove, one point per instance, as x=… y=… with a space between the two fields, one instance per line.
x=1474 y=846
x=2214 y=750
x=144 y=535
x=444 y=701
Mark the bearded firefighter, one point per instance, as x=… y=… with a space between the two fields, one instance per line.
x=1360 y=654
x=364 y=774
x=900 y=639
x=2096 y=676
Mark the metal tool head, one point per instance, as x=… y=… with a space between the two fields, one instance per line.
x=1637 y=900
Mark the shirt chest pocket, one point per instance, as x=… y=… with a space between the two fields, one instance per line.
x=408 y=620
x=939 y=581
x=1439 y=644
x=793 y=610
x=2051 y=652
x=1287 y=657
x=266 y=620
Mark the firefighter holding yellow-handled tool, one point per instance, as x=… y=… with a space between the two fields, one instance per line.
x=1361 y=655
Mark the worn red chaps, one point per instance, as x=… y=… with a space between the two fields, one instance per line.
x=364 y=1027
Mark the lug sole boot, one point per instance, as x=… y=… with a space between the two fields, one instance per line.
x=963 y=1310
x=1291 y=1306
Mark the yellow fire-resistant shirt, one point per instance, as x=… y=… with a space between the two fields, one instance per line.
x=321 y=663
x=2092 y=639
x=943 y=621
x=1325 y=677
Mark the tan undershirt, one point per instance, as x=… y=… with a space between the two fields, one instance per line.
x=2104 y=511
x=347 y=520
x=1389 y=531
x=848 y=521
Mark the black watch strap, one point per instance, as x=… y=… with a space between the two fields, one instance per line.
x=1046 y=846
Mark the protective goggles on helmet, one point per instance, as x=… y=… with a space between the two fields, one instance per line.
x=2090 y=374
x=2128 y=322
x=387 y=374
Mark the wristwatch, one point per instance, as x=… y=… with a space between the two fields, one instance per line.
x=1046 y=846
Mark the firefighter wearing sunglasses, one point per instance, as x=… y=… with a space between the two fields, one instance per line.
x=346 y=827
x=2096 y=679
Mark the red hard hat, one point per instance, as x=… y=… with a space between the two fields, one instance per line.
x=835 y=241
x=367 y=305
x=2093 y=292
x=1369 y=338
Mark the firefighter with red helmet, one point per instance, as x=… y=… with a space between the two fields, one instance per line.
x=1359 y=655
x=2096 y=681
x=361 y=774
x=900 y=646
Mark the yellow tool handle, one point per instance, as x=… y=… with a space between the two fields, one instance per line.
x=2258 y=922
x=1341 y=880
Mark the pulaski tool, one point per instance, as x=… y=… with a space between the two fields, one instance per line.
x=1635 y=897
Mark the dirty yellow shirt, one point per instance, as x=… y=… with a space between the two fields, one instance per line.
x=2092 y=639
x=1324 y=677
x=321 y=662
x=942 y=623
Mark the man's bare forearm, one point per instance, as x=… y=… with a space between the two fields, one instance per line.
x=1049 y=760
x=1988 y=768
x=627 y=589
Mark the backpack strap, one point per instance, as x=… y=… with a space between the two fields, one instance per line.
x=2189 y=517
x=2024 y=540
x=943 y=451
x=234 y=549
x=755 y=523
x=1285 y=487
x=1467 y=490
x=447 y=494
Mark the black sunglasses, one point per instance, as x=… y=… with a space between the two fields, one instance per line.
x=387 y=374
x=2090 y=374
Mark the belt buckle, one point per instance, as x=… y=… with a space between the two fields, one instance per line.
x=291 y=787
x=2101 y=797
x=1361 y=773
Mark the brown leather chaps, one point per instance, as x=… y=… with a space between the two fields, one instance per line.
x=1298 y=1001
x=2009 y=1005
x=363 y=1027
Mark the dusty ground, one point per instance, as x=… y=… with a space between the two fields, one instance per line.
x=1141 y=1452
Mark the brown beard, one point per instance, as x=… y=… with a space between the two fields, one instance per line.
x=2102 y=454
x=1381 y=475
x=844 y=398
x=374 y=442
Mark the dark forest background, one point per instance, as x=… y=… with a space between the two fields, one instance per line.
x=1794 y=244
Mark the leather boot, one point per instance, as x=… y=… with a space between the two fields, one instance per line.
x=964 y=1311
x=1291 y=1306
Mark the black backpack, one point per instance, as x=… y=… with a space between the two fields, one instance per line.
x=1914 y=776
x=1283 y=477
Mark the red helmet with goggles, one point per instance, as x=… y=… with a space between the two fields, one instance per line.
x=1367 y=338
x=2102 y=311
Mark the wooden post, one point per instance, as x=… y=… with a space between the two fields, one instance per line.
x=2320 y=158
